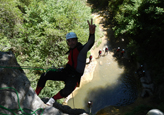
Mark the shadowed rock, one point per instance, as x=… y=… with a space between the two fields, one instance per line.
x=13 y=77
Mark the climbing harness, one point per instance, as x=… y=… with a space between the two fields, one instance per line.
x=20 y=109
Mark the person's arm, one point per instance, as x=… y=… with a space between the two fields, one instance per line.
x=91 y=39
x=81 y=60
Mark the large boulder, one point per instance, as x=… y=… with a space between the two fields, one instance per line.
x=13 y=81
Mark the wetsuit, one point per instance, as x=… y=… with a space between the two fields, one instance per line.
x=122 y=52
x=118 y=50
x=106 y=49
x=100 y=52
x=73 y=71
x=90 y=58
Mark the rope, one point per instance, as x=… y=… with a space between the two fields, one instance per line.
x=21 y=67
x=73 y=101
x=27 y=67
x=20 y=109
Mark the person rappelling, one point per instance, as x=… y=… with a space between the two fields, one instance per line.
x=117 y=52
x=122 y=53
x=140 y=70
x=75 y=66
x=106 y=50
x=99 y=53
x=90 y=58
x=90 y=103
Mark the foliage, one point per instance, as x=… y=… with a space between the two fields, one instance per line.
x=141 y=23
x=10 y=20
x=101 y=4
x=35 y=31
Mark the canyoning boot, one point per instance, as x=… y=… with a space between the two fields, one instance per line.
x=50 y=102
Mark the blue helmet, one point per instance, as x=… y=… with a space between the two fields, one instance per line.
x=71 y=35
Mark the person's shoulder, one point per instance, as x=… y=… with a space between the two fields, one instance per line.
x=79 y=46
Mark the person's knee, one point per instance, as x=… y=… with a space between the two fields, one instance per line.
x=42 y=80
x=43 y=76
x=65 y=93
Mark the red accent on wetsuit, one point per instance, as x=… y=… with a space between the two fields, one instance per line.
x=99 y=52
x=73 y=54
x=118 y=50
x=38 y=90
x=90 y=57
x=122 y=52
x=106 y=49
x=57 y=96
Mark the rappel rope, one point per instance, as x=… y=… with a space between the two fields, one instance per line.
x=73 y=101
x=20 y=109
x=28 y=67
x=31 y=68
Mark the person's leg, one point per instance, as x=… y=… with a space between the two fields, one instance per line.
x=38 y=90
x=40 y=84
x=70 y=86
x=50 y=75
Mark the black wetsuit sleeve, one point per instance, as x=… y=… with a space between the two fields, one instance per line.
x=81 y=60
x=91 y=36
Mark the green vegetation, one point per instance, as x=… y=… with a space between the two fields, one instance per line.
x=35 y=31
x=141 y=24
x=99 y=4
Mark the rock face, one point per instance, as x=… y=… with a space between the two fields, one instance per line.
x=146 y=81
x=12 y=77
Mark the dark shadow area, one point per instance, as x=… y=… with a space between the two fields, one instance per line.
x=65 y=108
x=124 y=96
x=113 y=43
x=98 y=4
x=88 y=63
x=14 y=86
x=119 y=94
